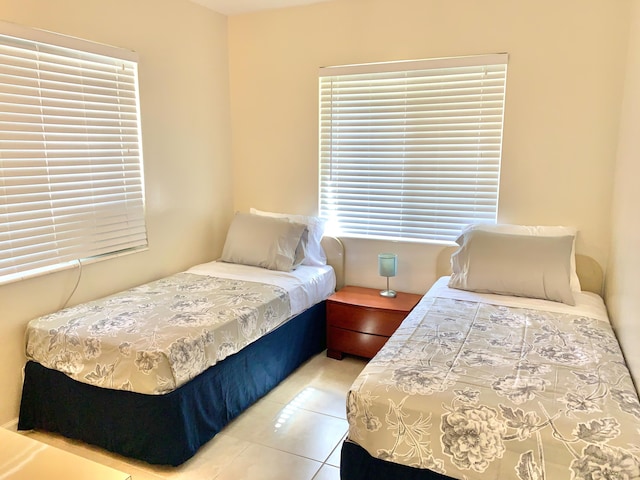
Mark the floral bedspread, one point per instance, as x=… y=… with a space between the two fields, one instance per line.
x=153 y=338
x=479 y=391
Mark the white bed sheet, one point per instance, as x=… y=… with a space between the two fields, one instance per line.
x=306 y=285
x=587 y=304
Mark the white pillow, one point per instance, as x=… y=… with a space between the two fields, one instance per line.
x=533 y=266
x=263 y=242
x=314 y=252
x=537 y=230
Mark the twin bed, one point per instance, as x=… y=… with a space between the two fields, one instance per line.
x=156 y=371
x=477 y=385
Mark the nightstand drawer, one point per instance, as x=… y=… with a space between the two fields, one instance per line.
x=356 y=343
x=362 y=319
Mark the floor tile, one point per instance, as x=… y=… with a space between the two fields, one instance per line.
x=325 y=399
x=263 y=463
x=213 y=458
x=334 y=458
x=290 y=428
x=327 y=472
x=330 y=380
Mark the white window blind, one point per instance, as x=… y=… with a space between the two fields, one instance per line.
x=411 y=150
x=71 y=182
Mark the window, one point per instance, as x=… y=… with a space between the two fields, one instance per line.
x=71 y=185
x=411 y=150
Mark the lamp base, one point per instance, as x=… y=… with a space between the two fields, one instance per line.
x=388 y=293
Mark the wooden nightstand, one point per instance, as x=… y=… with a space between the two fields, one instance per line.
x=360 y=321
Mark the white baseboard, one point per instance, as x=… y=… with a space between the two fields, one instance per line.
x=11 y=425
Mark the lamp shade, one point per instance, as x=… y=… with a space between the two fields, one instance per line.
x=387 y=264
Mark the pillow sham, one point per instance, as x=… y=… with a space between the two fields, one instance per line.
x=535 y=230
x=264 y=242
x=518 y=265
x=314 y=253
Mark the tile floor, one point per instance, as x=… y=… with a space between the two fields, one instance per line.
x=294 y=432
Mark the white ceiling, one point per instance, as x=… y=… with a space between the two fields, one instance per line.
x=234 y=7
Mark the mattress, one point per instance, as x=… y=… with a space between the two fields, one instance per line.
x=478 y=386
x=154 y=338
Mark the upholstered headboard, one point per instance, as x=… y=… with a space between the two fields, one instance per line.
x=588 y=270
x=334 y=250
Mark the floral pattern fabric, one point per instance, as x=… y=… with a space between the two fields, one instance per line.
x=153 y=338
x=479 y=391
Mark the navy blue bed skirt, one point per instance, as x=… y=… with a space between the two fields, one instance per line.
x=357 y=464
x=169 y=429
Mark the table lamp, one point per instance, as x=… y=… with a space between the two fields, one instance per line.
x=387 y=267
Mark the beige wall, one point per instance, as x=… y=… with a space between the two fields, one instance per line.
x=564 y=87
x=186 y=141
x=623 y=284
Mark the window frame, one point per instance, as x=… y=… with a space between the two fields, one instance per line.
x=357 y=148
x=70 y=131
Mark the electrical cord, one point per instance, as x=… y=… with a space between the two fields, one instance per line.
x=64 y=305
